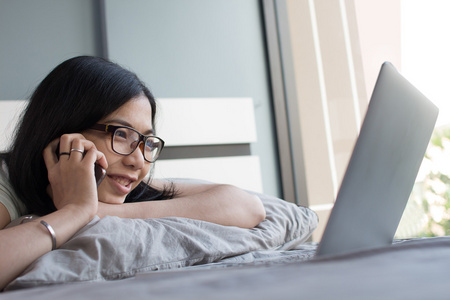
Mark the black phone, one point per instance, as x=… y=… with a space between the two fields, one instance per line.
x=100 y=173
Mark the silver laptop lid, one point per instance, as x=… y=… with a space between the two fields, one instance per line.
x=383 y=167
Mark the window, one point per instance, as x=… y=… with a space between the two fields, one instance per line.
x=330 y=54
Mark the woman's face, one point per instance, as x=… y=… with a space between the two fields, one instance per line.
x=124 y=173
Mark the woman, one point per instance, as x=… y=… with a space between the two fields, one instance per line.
x=90 y=111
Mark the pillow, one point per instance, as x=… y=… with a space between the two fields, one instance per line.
x=115 y=248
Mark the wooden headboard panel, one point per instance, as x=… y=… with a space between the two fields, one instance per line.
x=206 y=138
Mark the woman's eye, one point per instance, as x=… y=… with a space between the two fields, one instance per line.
x=121 y=134
x=150 y=144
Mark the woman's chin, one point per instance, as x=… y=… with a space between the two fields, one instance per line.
x=112 y=202
x=110 y=199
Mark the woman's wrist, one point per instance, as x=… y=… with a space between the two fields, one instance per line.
x=64 y=223
x=83 y=213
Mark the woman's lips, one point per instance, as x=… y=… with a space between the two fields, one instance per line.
x=121 y=180
x=122 y=184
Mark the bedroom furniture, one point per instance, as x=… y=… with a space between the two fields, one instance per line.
x=177 y=258
x=409 y=269
x=206 y=138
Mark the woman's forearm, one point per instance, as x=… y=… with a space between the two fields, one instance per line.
x=221 y=204
x=23 y=244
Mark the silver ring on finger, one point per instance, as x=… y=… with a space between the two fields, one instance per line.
x=77 y=150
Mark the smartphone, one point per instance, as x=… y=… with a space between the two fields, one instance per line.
x=100 y=173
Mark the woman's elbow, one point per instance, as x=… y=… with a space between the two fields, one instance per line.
x=257 y=212
x=252 y=210
x=241 y=208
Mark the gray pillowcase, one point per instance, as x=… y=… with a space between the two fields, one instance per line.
x=115 y=248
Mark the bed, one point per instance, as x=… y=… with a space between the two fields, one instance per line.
x=176 y=258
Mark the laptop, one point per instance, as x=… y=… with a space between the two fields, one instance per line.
x=383 y=167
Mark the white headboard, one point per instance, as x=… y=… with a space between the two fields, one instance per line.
x=206 y=138
x=10 y=111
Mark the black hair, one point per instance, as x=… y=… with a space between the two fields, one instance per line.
x=73 y=97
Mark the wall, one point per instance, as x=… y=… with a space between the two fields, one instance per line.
x=37 y=35
x=196 y=48
x=199 y=48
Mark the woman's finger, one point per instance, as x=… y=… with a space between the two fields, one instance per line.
x=49 y=153
x=77 y=149
x=65 y=144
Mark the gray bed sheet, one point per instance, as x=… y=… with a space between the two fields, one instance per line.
x=410 y=269
x=113 y=248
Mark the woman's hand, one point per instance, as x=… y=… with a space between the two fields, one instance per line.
x=74 y=193
x=72 y=177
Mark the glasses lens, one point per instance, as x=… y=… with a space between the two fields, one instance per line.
x=153 y=147
x=125 y=140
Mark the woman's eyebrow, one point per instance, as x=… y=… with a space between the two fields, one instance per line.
x=149 y=132
x=125 y=123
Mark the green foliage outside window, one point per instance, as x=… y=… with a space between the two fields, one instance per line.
x=428 y=210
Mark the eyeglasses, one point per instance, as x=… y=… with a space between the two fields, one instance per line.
x=126 y=139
